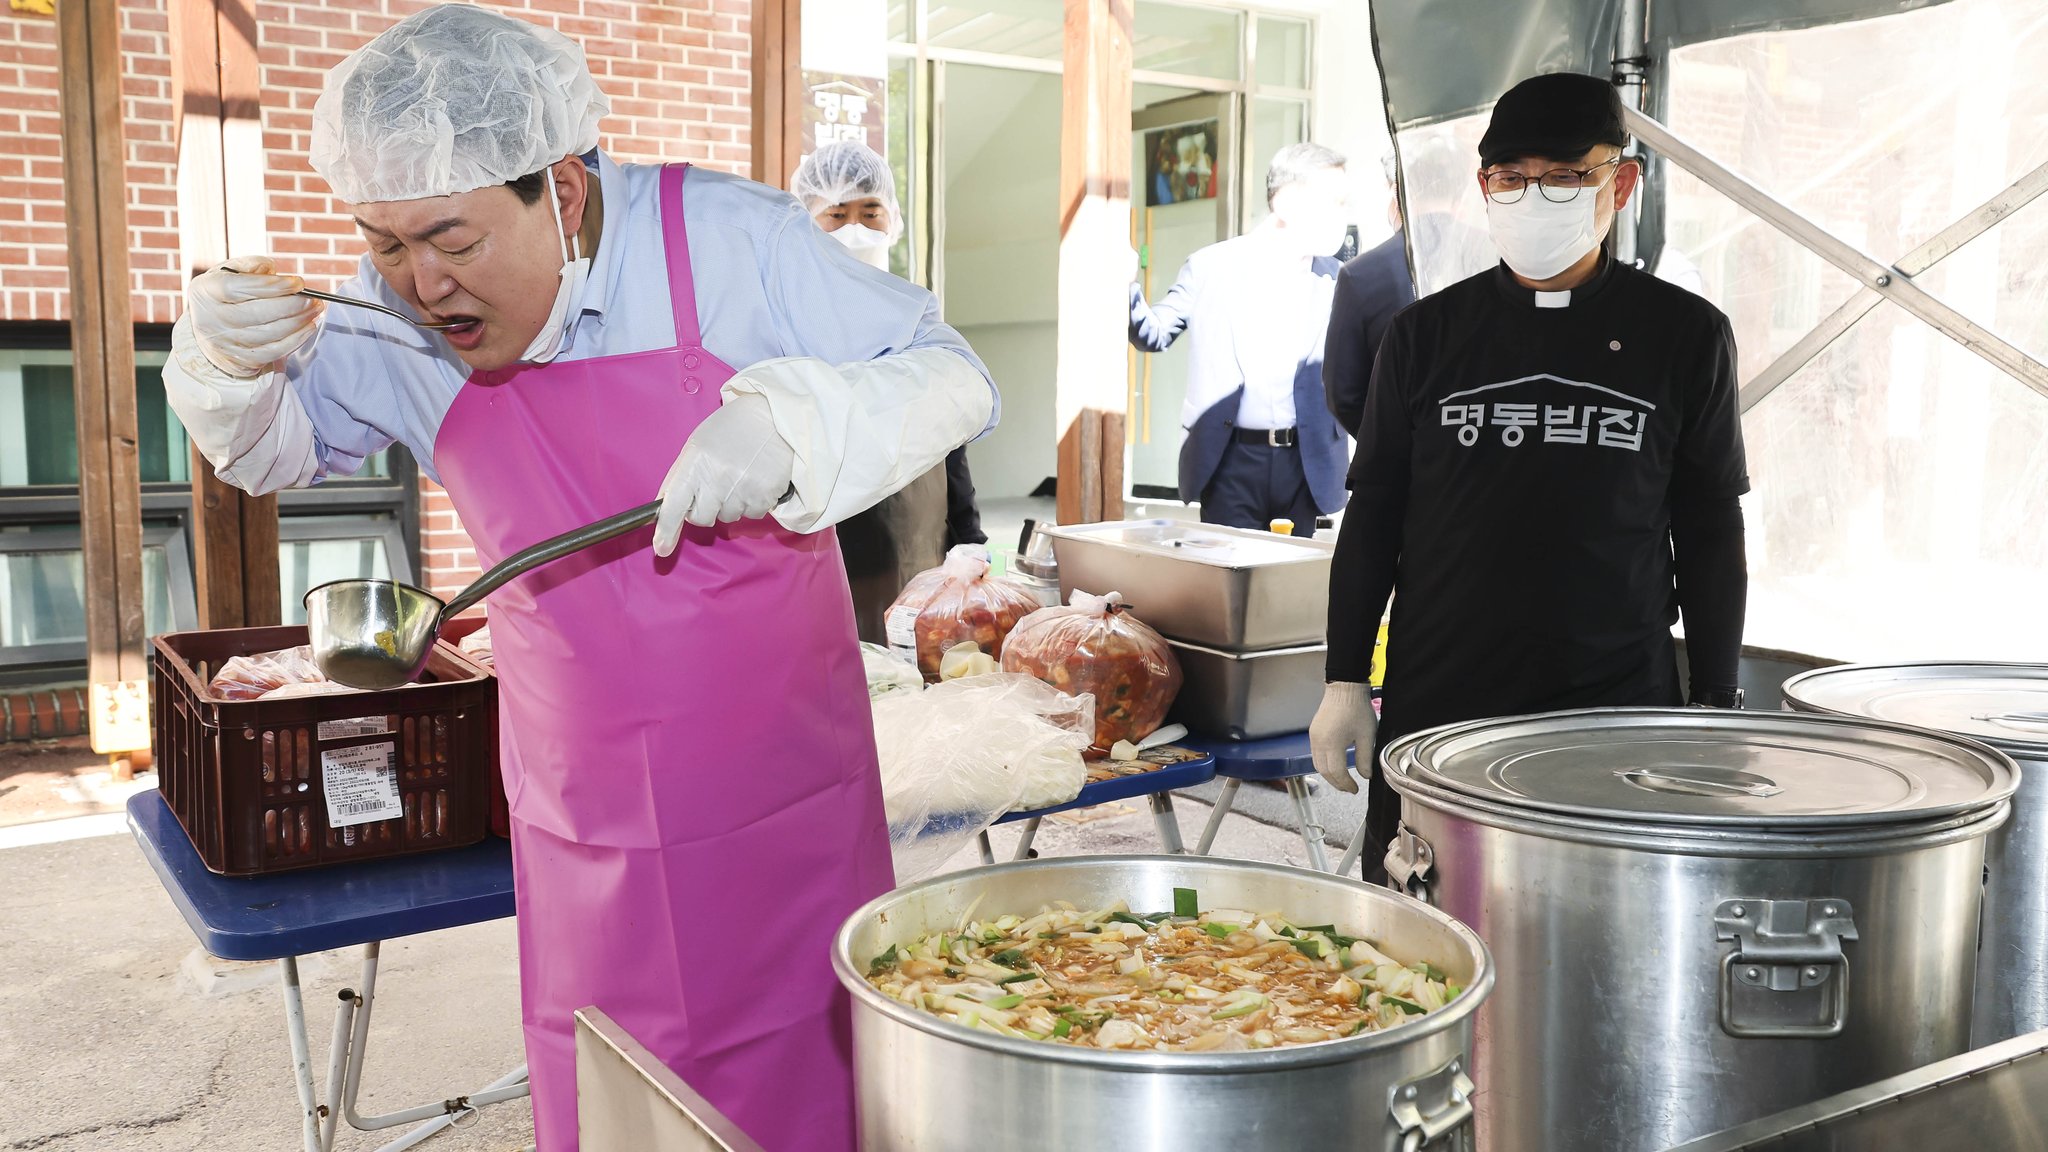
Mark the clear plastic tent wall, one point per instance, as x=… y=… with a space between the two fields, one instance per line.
x=1900 y=502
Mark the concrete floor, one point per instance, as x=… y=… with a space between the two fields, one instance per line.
x=108 y=1043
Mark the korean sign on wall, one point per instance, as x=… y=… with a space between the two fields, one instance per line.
x=839 y=107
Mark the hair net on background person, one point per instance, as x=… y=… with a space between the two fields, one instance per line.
x=847 y=170
x=450 y=100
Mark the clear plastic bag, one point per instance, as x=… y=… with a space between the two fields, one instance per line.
x=959 y=756
x=958 y=602
x=887 y=672
x=1096 y=646
x=477 y=646
x=257 y=676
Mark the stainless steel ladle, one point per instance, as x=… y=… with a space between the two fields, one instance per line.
x=430 y=325
x=377 y=634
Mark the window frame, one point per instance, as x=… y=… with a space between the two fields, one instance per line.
x=390 y=503
x=34 y=663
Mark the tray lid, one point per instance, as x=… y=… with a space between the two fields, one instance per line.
x=2004 y=705
x=1710 y=767
x=1198 y=543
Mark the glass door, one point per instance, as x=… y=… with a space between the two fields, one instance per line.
x=1184 y=196
x=996 y=171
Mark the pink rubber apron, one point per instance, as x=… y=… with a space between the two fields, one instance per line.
x=688 y=750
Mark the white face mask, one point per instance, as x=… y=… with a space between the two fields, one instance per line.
x=1540 y=238
x=1318 y=233
x=547 y=343
x=867 y=245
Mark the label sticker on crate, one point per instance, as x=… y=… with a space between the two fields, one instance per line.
x=361 y=785
x=360 y=726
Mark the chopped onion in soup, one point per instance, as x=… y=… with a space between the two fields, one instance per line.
x=1219 y=981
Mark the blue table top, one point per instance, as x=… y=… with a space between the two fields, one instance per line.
x=294 y=913
x=1274 y=758
x=1169 y=779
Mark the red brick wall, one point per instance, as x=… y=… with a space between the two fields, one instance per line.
x=676 y=72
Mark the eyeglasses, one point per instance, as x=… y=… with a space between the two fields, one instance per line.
x=1559 y=185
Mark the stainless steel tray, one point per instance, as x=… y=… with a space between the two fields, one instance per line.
x=1226 y=588
x=1994 y=1099
x=1247 y=696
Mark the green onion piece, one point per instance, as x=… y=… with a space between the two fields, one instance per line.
x=1243 y=1007
x=1001 y=1003
x=1129 y=918
x=1219 y=931
x=954 y=973
x=876 y=965
x=1405 y=1006
x=1356 y=1028
x=1063 y=1028
x=1313 y=947
x=1451 y=991
x=1018 y=977
x=1007 y=958
x=1433 y=972
x=1186 y=903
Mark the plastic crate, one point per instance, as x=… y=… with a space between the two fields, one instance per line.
x=248 y=779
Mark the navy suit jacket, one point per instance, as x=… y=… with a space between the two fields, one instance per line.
x=1371 y=289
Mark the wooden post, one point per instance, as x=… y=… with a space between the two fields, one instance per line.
x=221 y=208
x=778 y=91
x=103 y=366
x=1095 y=212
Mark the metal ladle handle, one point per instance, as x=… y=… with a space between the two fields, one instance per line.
x=547 y=551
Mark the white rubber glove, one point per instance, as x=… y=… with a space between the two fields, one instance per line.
x=735 y=466
x=1344 y=721
x=246 y=317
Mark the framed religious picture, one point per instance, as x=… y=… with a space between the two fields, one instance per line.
x=1180 y=163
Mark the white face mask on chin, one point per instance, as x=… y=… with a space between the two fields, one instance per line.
x=547 y=343
x=1540 y=238
x=867 y=245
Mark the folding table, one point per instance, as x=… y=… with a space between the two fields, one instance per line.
x=1275 y=758
x=290 y=914
x=1158 y=786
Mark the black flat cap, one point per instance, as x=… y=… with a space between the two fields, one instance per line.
x=1561 y=115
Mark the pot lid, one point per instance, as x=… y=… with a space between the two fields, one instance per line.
x=2004 y=705
x=1700 y=766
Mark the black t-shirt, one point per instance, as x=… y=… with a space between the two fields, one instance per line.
x=1514 y=482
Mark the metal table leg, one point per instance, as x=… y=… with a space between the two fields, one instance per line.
x=1169 y=828
x=1222 y=809
x=1359 y=839
x=1311 y=832
x=1025 y=838
x=355 y=1008
x=302 y=1063
x=988 y=850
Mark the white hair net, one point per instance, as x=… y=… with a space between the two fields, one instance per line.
x=847 y=170
x=450 y=100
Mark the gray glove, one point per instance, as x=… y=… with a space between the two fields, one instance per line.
x=1344 y=721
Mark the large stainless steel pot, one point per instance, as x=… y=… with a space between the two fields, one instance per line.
x=934 y=1086
x=2005 y=706
x=1699 y=917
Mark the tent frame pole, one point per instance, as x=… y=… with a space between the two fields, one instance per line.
x=1887 y=281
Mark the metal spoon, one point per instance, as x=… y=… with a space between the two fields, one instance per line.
x=333 y=299
x=377 y=634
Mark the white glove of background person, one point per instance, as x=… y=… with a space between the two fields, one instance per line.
x=735 y=466
x=1344 y=721
x=245 y=317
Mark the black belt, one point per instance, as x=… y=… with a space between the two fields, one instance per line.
x=1270 y=437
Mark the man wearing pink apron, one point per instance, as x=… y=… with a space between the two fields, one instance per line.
x=687 y=746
